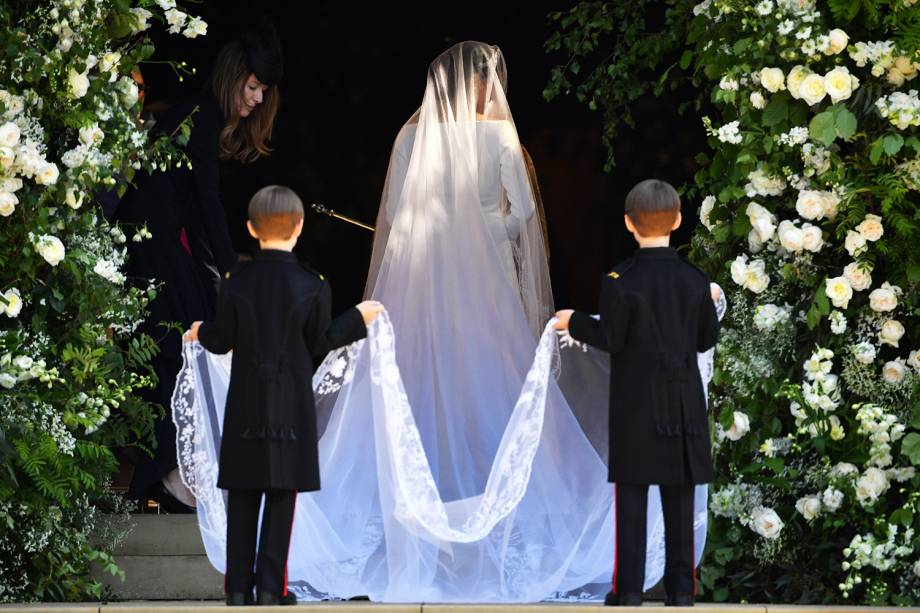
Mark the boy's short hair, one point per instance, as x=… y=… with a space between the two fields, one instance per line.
x=275 y=211
x=653 y=206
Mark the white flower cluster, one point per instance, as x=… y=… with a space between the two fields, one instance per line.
x=735 y=500
x=821 y=393
x=901 y=109
x=880 y=54
x=177 y=20
x=773 y=447
x=838 y=322
x=882 y=429
x=762 y=184
x=11 y=303
x=107 y=270
x=817 y=159
x=769 y=316
x=866 y=551
x=729 y=133
x=20 y=368
x=871 y=486
x=751 y=275
x=795 y=136
x=837 y=84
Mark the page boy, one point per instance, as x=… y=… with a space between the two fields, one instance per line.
x=274 y=314
x=656 y=313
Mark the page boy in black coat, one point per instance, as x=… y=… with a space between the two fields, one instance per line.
x=656 y=313
x=274 y=315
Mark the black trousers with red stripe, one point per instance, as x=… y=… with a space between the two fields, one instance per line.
x=631 y=515
x=269 y=572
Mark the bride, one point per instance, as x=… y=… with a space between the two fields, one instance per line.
x=453 y=467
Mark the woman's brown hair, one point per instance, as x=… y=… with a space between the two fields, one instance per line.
x=242 y=138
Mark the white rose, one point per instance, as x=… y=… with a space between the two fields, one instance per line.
x=791 y=237
x=812 y=238
x=893 y=372
x=23 y=362
x=7 y=157
x=839 y=84
x=906 y=67
x=77 y=83
x=871 y=228
x=705 y=210
x=843 y=469
x=795 y=78
x=883 y=300
x=762 y=220
x=176 y=20
x=739 y=269
x=871 y=485
x=896 y=77
x=109 y=61
x=832 y=499
x=831 y=203
x=51 y=248
x=7 y=380
x=858 y=275
x=47 y=174
x=864 y=352
x=891 y=332
x=917 y=568
x=772 y=79
x=812 y=90
x=73 y=198
x=757 y=100
x=167 y=4
x=13 y=303
x=91 y=135
x=913 y=360
x=766 y=523
x=809 y=507
x=756 y=278
x=755 y=243
x=837 y=41
x=8 y=203
x=839 y=290
x=740 y=426
x=811 y=204
x=855 y=243
x=9 y=134
x=129 y=92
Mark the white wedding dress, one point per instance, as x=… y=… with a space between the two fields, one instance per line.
x=463 y=447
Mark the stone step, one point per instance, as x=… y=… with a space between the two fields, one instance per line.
x=163 y=535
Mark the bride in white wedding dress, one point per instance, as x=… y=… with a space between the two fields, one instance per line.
x=453 y=467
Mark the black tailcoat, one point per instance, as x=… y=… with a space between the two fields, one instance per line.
x=656 y=313
x=275 y=316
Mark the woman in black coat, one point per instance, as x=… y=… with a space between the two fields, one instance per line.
x=191 y=246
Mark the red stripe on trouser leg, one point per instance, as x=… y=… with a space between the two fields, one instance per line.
x=693 y=557
x=284 y=592
x=616 y=538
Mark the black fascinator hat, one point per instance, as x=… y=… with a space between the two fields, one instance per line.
x=264 y=50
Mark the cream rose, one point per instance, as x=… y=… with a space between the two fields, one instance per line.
x=906 y=67
x=872 y=484
x=913 y=360
x=812 y=90
x=77 y=83
x=858 y=275
x=893 y=372
x=795 y=78
x=883 y=300
x=839 y=290
x=891 y=332
x=772 y=79
x=51 y=248
x=13 y=303
x=756 y=278
x=839 y=84
x=871 y=228
x=812 y=238
x=790 y=237
x=47 y=174
x=809 y=507
x=73 y=198
x=895 y=77
x=855 y=243
x=757 y=100
x=740 y=426
x=91 y=135
x=9 y=134
x=762 y=220
x=766 y=523
x=109 y=61
x=837 y=41
x=709 y=203
x=8 y=202
x=831 y=204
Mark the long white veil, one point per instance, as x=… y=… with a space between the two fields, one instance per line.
x=453 y=467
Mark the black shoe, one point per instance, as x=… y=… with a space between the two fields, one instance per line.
x=631 y=599
x=239 y=599
x=168 y=503
x=288 y=599
x=267 y=598
x=679 y=600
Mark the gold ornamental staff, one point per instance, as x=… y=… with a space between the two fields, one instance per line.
x=329 y=212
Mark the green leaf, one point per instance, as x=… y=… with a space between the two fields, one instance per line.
x=767 y=144
x=913 y=272
x=893 y=143
x=823 y=127
x=914 y=143
x=910 y=447
x=846 y=123
x=776 y=111
x=685 y=59
x=775 y=464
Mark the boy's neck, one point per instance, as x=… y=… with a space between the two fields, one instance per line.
x=653 y=241
x=287 y=245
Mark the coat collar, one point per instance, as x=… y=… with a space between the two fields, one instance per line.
x=657 y=253
x=276 y=255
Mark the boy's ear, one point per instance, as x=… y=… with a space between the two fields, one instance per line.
x=299 y=229
x=252 y=230
x=629 y=224
x=677 y=221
